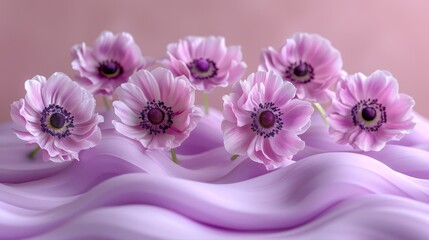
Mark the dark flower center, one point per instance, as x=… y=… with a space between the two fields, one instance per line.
x=299 y=72
x=369 y=115
x=202 y=68
x=156 y=117
x=267 y=120
x=110 y=69
x=56 y=121
x=202 y=65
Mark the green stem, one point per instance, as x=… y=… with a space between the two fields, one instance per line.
x=174 y=156
x=33 y=152
x=321 y=111
x=235 y=156
x=205 y=98
x=106 y=103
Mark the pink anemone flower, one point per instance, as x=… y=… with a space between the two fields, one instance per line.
x=262 y=119
x=108 y=64
x=309 y=62
x=368 y=111
x=206 y=61
x=58 y=115
x=156 y=109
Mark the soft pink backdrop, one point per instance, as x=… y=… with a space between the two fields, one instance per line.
x=36 y=36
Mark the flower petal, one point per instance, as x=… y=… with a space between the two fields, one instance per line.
x=34 y=93
x=127 y=116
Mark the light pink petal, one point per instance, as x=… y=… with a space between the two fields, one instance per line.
x=103 y=44
x=338 y=107
x=132 y=96
x=306 y=45
x=76 y=145
x=15 y=114
x=241 y=111
x=183 y=125
x=82 y=129
x=127 y=116
x=84 y=61
x=29 y=113
x=282 y=94
x=182 y=97
x=236 y=71
x=174 y=91
x=94 y=139
x=367 y=141
x=270 y=153
x=34 y=128
x=147 y=83
x=228 y=113
x=57 y=85
x=34 y=93
x=382 y=86
x=400 y=128
x=354 y=89
x=135 y=132
x=26 y=136
x=182 y=50
x=181 y=121
x=237 y=139
x=60 y=157
x=255 y=96
x=211 y=47
x=177 y=67
x=160 y=142
x=254 y=151
x=286 y=144
x=257 y=154
x=126 y=51
x=297 y=115
x=340 y=123
x=86 y=109
x=46 y=142
x=401 y=110
x=272 y=60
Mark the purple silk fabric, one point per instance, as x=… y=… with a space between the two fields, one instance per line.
x=120 y=191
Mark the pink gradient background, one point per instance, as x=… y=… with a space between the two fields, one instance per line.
x=36 y=36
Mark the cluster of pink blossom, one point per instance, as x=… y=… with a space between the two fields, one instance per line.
x=263 y=115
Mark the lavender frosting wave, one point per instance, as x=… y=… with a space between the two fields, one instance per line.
x=120 y=191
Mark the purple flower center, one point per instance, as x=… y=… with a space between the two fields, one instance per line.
x=202 y=65
x=300 y=72
x=110 y=69
x=369 y=115
x=202 y=68
x=56 y=121
x=156 y=117
x=267 y=121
